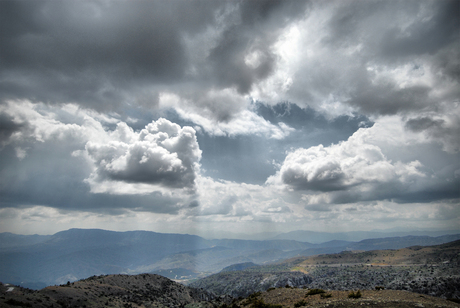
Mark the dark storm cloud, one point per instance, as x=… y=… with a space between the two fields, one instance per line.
x=8 y=127
x=259 y=26
x=104 y=54
x=92 y=52
x=388 y=100
x=424 y=36
x=366 y=61
x=423 y=123
x=446 y=131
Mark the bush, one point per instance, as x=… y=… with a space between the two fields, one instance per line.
x=324 y=295
x=14 y=302
x=300 y=303
x=355 y=295
x=251 y=298
x=259 y=303
x=314 y=292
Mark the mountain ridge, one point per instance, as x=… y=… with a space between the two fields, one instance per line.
x=78 y=253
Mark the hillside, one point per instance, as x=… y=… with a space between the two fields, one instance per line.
x=430 y=270
x=291 y=297
x=39 y=261
x=144 y=290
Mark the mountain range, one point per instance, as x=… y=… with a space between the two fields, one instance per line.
x=37 y=261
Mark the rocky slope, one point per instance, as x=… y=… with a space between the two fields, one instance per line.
x=289 y=297
x=145 y=290
x=243 y=283
x=431 y=270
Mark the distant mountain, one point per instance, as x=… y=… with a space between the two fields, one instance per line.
x=9 y=240
x=401 y=242
x=74 y=254
x=354 y=236
x=239 y=267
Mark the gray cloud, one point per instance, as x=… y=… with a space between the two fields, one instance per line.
x=8 y=127
x=162 y=153
x=54 y=168
x=104 y=55
x=423 y=123
x=94 y=53
x=376 y=67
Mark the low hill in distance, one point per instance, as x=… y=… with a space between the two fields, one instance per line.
x=353 y=236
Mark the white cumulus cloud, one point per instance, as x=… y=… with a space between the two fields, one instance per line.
x=162 y=153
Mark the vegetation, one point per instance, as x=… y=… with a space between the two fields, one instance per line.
x=259 y=303
x=314 y=292
x=356 y=294
x=251 y=298
x=326 y=295
x=300 y=303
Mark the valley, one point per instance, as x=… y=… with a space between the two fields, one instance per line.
x=147 y=269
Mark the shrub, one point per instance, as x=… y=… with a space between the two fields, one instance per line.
x=251 y=298
x=14 y=302
x=324 y=295
x=355 y=295
x=259 y=303
x=455 y=300
x=300 y=303
x=314 y=292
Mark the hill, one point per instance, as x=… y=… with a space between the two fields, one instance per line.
x=292 y=297
x=39 y=261
x=430 y=270
x=353 y=236
x=146 y=290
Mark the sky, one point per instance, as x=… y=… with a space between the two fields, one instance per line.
x=225 y=117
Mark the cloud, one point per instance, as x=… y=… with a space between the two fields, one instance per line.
x=341 y=167
x=109 y=55
x=8 y=127
x=344 y=57
x=54 y=169
x=441 y=126
x=359 y=169
x=162 y=153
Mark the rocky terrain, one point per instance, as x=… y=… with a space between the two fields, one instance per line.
x=243 y=283
x=38 y=261
x=430 y=270
x=292 y=297
x=126 y=291
x=147 y=291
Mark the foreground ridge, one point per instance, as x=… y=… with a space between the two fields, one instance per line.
x=144 y=290
x=148 y=290
x=292 y=297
